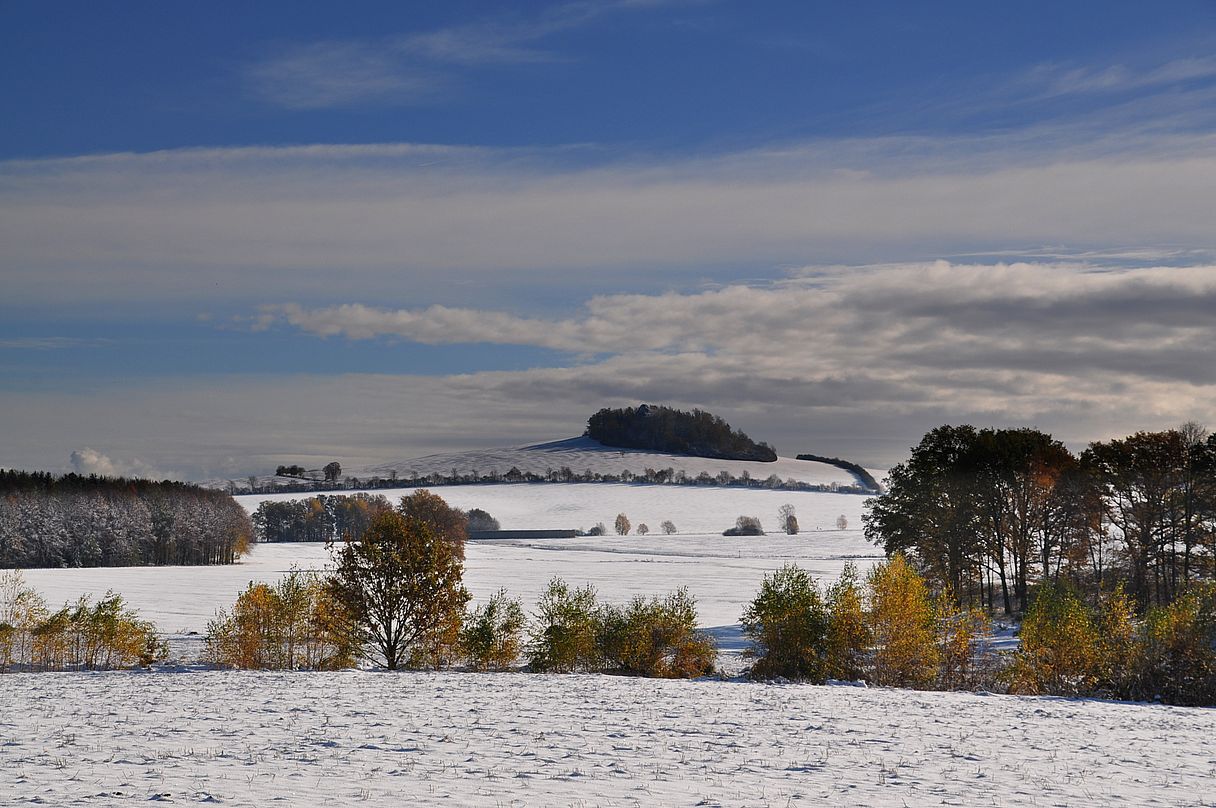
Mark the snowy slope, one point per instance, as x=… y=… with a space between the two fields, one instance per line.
x=328 y=739
x=581 y=454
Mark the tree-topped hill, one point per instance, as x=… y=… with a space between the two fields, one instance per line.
x=664 y=429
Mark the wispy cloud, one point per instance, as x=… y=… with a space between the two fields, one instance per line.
x=239 y=225
x=410 y=68
x=48 y=343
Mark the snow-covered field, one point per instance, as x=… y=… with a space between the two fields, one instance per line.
x=723 y=573
x=524 y=740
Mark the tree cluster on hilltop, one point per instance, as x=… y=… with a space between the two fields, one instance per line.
x=863 y=475
x=76 y=521
x=664 y=429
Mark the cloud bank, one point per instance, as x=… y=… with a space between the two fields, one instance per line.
x=242 y=224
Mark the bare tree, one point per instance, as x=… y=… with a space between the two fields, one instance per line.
x=622 y=524
x=787 y=520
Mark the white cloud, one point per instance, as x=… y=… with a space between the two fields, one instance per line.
x=240 y=225
x=855 y=362
x=410 y=68
x=88 y=461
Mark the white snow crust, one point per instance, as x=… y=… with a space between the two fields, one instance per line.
x=451 y=739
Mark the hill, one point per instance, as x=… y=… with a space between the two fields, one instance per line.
x=664 y=429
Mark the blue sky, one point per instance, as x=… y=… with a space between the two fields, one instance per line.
x=457 y=225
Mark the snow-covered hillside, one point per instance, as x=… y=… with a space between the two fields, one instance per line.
x=322 y=739
x=582 y=454
x=579 y=455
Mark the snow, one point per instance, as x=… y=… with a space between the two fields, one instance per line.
x=316 y=739
x=723 y=573
x=579 y=455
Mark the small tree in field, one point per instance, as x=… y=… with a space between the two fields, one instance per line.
x=668 y=527
x=902 y=625
x=643 y=529
x=491 y=637
x=842 y=522
x=332 y=471
x=787 y=624
x=622 y=524
x=787 y=520
x=401 y=590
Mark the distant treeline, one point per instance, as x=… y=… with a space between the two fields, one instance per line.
x=565 y=474
x=337 y=517
x=320 y=518
x=75 y=521
x=664 y=429
x=866 y=477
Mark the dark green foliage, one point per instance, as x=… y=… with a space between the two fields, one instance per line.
x=665 y=429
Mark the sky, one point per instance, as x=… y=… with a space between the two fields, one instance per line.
x=235 y=235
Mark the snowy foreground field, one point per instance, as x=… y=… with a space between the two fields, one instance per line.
x=521 y=740
x=723 y=573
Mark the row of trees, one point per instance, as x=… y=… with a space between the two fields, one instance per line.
x=332 y=518
x=562 y=474
x=986 y=514
x=76 y=521
x=892 y=630
x=87 y=635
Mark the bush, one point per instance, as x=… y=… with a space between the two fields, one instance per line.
x=657 y=638
x=1176 y=662
x=1060 y=651
x=848 y=636
x=962 y=643
x=565 y=630
x=479 y=520
x=745 y=526
x=902 y=626
x=491 y=637
x=86 y=636
x=787 y=624
x=598 y=530
x=293 y=624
